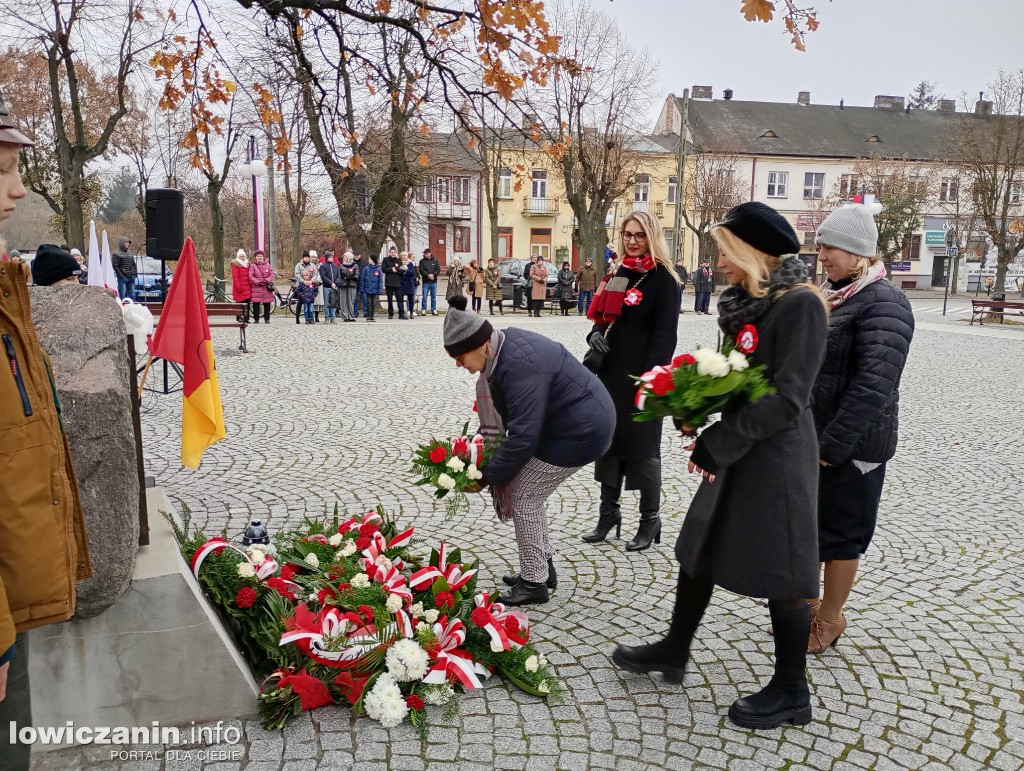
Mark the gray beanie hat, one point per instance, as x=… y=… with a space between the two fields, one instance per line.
x=850 y=228
x=464 y=331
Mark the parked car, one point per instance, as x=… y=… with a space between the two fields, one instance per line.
x=147 y=280
x=514 y=273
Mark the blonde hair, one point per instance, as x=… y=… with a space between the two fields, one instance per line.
x=862 y=267
x=655 y=240
x=756 y=264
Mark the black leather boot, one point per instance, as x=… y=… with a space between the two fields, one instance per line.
x=552 y=583
x=610 y=515
x=526 y=593
x=786 y=699
x=671 y=654
x=650 y=520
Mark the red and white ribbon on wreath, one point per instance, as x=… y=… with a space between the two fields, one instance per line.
x=451 y=660
x=476 y=450
x=392 y=580
x=495 y=626
x=379 y=545
x=453 y=574
x=264 y=569
x=356 y=522
x=330 y=624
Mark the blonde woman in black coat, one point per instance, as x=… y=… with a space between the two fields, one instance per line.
x=752 y=526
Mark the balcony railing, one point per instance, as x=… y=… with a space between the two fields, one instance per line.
x=657 y=208
x=540 y=207
x=444 y=210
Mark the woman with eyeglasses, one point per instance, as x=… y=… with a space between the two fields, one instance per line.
x=635 y=312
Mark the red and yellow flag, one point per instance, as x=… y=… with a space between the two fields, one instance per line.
x=183 y=336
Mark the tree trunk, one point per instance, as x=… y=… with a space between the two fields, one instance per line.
x=296 y=241
x=593 y=239
x=954 y=277
x=1002 y=262
x=492 y=216
x=213 y=188
x=72 y=195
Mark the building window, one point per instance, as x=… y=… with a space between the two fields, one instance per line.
x=443 y=186
x=461 y=238
x=642 y=188
x=814 y=185
x=849 y=185
x=809 y=237
x=540 y=242
x=673 y=183
x=778 y=184
x=425 y=192
x=912 y=248
x=539 y=184
x=460 y=190
x=949 y=189
x=1016 y=191
x=505 y=183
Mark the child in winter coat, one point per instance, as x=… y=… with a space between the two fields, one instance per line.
x=371 y=285
x=307 y=293
x=409 y=276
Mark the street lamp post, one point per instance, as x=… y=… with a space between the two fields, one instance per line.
x=255 y=168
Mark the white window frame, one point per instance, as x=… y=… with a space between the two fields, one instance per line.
x=642 y=188
x=814 y=185
x=460 y=190
x=778 y=184
x=673 y=185
x=949 y=189
x=849 y=185
x=1016 y=192
x=539 y=184
x=505 y=183
x=425 y=192
x=443 y=189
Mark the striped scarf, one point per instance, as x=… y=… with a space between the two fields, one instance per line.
x=836 y=297
x=606 y=307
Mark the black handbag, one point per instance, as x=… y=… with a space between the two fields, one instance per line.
x=594 y=360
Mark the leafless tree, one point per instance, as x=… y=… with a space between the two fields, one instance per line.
x=711 y=186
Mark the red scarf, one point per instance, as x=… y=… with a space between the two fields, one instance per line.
x=611 y=292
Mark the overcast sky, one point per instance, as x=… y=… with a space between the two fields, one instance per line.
x=863 y=47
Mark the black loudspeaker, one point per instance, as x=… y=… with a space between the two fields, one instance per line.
x=165 y=223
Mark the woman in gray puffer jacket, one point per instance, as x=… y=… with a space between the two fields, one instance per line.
x=855 y=404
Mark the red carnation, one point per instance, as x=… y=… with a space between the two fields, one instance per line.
x=325 y=594
x=460 y=445
x=415 y=702
x=366 y=612
x=438 y=455
x=481 y=616
x=683 y=359
x=662 y=384
x=368 y=528
x=512 y=625
x=246 y=597
x=279 y=586
x=288 y=572
x=444 y=600
x=363 y=542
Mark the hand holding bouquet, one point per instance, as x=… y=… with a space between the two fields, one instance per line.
x=696 y=385
x=452 y=467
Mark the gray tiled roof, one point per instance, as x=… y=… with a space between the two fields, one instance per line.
x=818 y=130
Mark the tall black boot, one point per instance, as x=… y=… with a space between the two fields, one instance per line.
x=671 y=654
x=552 y=583
x=650 y=521
x=786 y=699
x=609 y=516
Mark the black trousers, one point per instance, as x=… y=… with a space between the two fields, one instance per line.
x=478 y=301
x=371 y=305
x=16 y=708
x=256 y=311
x=394 y=296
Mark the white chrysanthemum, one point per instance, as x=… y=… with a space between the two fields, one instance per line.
x=384 y=702
x=474 y=473
x=313 y=597
x=406 y=660
x=439 y=694
x=532 y=664
x=360 y=581
x=348 y=549
x=738 y=361
x=714 y=364
x=431 y=616
x=246 y=570
x=416 y=610
x=455 y=464
x=313 y=560
x=393 y=604
x=543 y=659
x=496 y=646
x=445 y=482
x=703 y=354
x=543 y=687
x=335 y=540
x=257 y=555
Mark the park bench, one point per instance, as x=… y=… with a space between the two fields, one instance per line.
x=1000 y=308
x=220 y=316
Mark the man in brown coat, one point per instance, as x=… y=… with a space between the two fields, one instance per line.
x=42 y=536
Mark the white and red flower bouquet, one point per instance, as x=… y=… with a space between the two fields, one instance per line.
x=696 y=385
x=452 y=468
x=343 y=613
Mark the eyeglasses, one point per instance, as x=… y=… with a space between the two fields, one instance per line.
x=633 y=236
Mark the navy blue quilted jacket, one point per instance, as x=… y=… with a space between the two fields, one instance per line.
x=554 y=409
x=856 y=395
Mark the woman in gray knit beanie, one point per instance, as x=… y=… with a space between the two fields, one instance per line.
x=554 y=417
x=855 y=405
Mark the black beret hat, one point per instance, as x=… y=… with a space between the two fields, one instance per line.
x=762 y=227
x=52 y=264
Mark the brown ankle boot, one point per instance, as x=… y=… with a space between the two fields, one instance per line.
x=825 y=634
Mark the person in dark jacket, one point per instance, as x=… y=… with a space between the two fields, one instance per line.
x=684 y=276
x=391 y=268
x=554 y=417
x=361 y=262
x=371 y=285
x=123 y=263
x=307 y=291
x=566 y=280
x=703 y=285
x=751 y=527
x=586 y=283
x=635 y=314
x=409 y=275
x=856 y=404
x=430 y=270
x=348 y=284
x=330 y=277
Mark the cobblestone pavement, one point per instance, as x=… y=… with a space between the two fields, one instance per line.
x=928 y=675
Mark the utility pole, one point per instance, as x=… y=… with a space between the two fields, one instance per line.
x=677 y=225
x=271 y=206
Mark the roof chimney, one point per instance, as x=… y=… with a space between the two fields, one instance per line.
x=983 y=107
x=947 y=105
x=727 y=94
x=841 y=103
x=888 y=102
x=702 y=92
x=804 y=97
x=529 y=120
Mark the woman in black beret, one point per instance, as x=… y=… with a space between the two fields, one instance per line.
x=752 y=525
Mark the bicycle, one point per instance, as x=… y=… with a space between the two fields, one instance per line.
x=214 y=288
x=289 y=302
